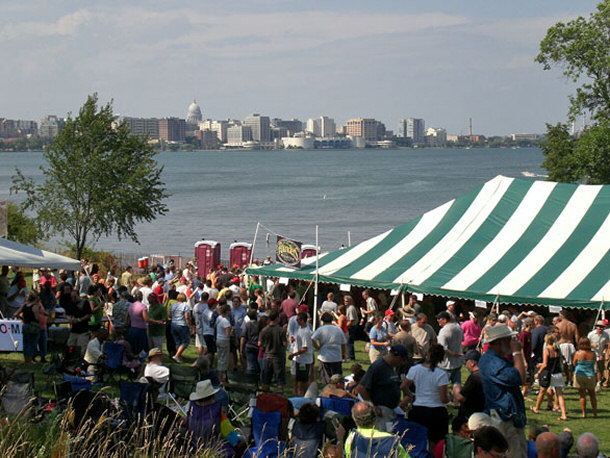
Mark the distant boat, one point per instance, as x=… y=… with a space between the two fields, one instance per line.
x=533 y=175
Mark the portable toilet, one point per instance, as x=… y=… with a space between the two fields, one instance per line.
x=143 y=263
x=239 y=254
x=207 y=253
x=308 y=251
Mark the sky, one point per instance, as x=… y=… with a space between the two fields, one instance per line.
x=441 y=60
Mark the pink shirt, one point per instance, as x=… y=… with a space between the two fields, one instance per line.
x=472 y=331
x=136 y=311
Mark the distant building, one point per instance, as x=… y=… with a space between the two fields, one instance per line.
x=412 y=128
x=436 y=137
x=193 y=115
x=453 y=138
x=321 y=127
x=236 y=135
x=517 y=137
x=143 y=127
x=293 y=125
x=298 y=142
x=277 y=133
x=260 y=127
x=207 y=139
x=11 y=128
x=50 y=127
x=366 y=128
x=172 y=129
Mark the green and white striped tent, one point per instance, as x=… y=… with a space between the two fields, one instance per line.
x=510 y=240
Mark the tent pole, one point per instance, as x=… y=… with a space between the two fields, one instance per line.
x=349 y=238
x=254 y=243
x=599 y=312
x=315 y=290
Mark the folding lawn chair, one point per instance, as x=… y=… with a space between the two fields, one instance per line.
x=342 y=406
x=268 y=402
x=266 y=428
x=241 y=388
x=78 y=383
x=367 y=447
x=133 y=399
x=114 y=359
x=412 y=435
x=72 y=361
x=18 y=392
x=182 y=380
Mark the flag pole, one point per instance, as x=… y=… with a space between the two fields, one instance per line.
x=315 y=290
x=254 y=243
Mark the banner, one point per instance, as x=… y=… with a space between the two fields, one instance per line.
x=288 y=252
x=10 y=328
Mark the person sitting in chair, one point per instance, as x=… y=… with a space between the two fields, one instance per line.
x=155 y=368
x=206 y=421
x=95 y=354
x=371 y=441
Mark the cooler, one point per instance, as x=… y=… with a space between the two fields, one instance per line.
x=239 y=254
x=207 y=253
x=308 y=251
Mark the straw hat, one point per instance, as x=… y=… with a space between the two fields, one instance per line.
x=154 y=352
x=498 y=332
x=479 y=419
x=203 y=390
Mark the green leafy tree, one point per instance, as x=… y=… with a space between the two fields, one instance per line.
x=98 y=180
x=20 y=227
x=558 y=149
x=592 y=154
x=582 y=48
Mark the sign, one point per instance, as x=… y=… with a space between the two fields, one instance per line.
x=8 y=329
x=554 y=309
x=480 y=304
x=288 y=252
x=283 y=280
x=419 y=296
x=345 y=288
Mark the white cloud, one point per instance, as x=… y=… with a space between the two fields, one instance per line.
x=65 y=25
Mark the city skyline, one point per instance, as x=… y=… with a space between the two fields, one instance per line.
x=444 y=62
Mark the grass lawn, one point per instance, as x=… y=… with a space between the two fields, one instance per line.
x=598 y=426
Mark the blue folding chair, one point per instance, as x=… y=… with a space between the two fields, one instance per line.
x=78 y=383
x=412 y=435
x=133 y=399
x=265 y=431
x=342 y=406
x=114 y=358
x=368 y=447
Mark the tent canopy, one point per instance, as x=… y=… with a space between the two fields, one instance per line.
x=511 y=240
x=17 y=254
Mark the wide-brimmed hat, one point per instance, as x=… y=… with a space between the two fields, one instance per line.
x=154 y=352
x=499 y=331
x=480 y=419
x=600 y=323
x=203 y=390
x=408 y=311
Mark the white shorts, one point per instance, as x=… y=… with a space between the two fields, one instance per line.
x=200 y=341
x=567 y=351
x=293 y=367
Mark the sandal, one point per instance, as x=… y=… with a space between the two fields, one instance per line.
x=533 y=409
x=562 y=418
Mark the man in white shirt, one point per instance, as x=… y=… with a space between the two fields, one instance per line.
x=155 y=369
x=599 y=342
x=329 y=305
x=331 y=343
x=450 y=337
x=94 y=354
x=369 y=309
x=303 y=355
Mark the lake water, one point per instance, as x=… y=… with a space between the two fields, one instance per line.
x=222 y=195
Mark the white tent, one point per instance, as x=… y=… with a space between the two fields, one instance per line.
x=17 y=254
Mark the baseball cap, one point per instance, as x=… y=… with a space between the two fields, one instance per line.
x=389 y=313
x=303 y=308
x=399 y=350
x=443 y=315
x=472 y=355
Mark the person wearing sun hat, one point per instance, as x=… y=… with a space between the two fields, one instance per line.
x=204 y=398
x=502 y=379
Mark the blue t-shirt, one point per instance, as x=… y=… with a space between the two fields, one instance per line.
x=177 y=311
x=378 y=335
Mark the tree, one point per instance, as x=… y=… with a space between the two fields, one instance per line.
x=558 y=149
x=20 y=227
x=98 y=180
x=592 y=154
x=582 y=48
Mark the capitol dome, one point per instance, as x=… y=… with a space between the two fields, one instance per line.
x=194 y=115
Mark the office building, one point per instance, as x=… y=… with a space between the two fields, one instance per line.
x=50 y=127
x=143 y=127
x=172 y=130
x=436 y=137
x=412 y=128
x=236 y=135
x=260 y=127
x=366 y=128
x=293 y=126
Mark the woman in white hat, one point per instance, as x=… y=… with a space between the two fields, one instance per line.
x=202 y=406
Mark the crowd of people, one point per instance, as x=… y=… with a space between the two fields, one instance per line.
x=237 y=324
